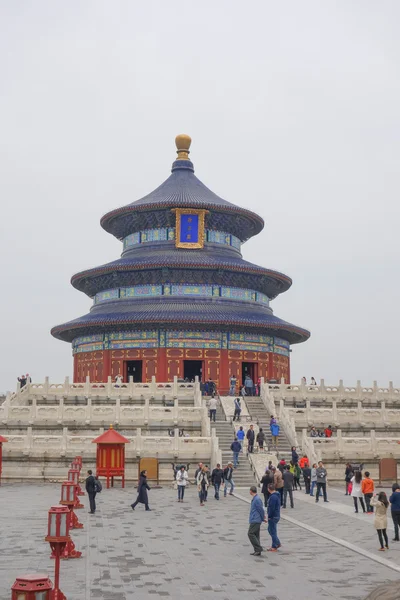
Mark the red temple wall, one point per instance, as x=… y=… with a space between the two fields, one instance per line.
x=165 y=363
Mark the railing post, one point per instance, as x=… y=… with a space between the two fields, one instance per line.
x=375 y=390
x=117 y=410
x=109 y=387
x=175 y=386
x=391 y=394
x=87 y=387
x=308 y=412
x=66 y=387
x=153 y=386
x=175 y=411
x=64 y=442
x=205 y=422
x=138 y=441
x=28 y=441
x=374 y=445
x=335 y=412
x=88 y=410
x=60 y=411
x=360 y=412
x=46 y=387
x=146 y=410
x=359 y=389
x=339 y=442
x=322 y=386
x=385 y=417
x=176 y=441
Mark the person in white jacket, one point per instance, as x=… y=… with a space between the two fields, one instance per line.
x=181 y=480
x=356 y=492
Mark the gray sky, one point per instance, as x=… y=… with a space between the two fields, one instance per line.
x=293 y=108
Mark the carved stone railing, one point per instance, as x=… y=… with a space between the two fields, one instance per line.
x=340 y=417
x=31 y=445
x=303 y=391
x=97 y=415
x=345 y=448
x=106 y=390
x=286 y=421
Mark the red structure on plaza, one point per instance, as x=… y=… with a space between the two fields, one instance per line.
x=110 y=457
x=181 y=301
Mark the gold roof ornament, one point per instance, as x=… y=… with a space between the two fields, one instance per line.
x=182 y=142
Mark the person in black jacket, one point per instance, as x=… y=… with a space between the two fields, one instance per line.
x=90 y=485
x=265 y=481
x=250 y=435
x=307 y=478
x=228 y=479
x=348 y=475
x=217 y=477
x=142 y=491
x=295 y=456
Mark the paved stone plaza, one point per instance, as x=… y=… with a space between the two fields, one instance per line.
x=185 y=551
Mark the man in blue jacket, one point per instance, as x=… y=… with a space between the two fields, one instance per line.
x=236 y=448
x=274 y=515
x=257 y=516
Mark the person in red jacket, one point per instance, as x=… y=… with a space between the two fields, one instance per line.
x=328 y=431
x=367 y=488
x=303 y=462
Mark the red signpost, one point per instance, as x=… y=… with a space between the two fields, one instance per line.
x=110 y=458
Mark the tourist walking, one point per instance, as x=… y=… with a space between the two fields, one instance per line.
x=274 y=429
x=307 y=478
x=380 y=522
x=348 y=475
x=243 y=391
x=90 y=485
x=303 y=462
x=266 y=479
x=295 y=456
x=232 y=385
x=202 y=485
x=321 y=481
x=260 y=440
x=248 y=384
x=367 y=488
x=212 y=405
x=181 y=480
x=297 y=475
x=250 y=436
x=278 y=483
x=236 y=448
x=217 y=477
x=238 y=410
x=256 y=517
x=313 y=478
x=395 y=509
x=282 y=465
x=228 y=479
x=241 y=436
x=142 y=489
x=274 y=515
x=288 y=481
x=356 y=491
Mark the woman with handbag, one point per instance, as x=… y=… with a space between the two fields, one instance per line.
x=142 y=491
x=181 y=480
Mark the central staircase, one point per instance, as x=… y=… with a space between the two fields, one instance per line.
x=261 y=417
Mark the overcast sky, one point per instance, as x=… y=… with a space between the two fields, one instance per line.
x=293 y=108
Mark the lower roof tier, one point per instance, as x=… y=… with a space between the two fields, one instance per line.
x=161 y=264
x=174 y=313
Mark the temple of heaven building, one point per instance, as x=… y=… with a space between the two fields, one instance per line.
x=181 y=300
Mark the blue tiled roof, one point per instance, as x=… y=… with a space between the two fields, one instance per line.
x=181 y=189
x=174 y=312
x=167 y=256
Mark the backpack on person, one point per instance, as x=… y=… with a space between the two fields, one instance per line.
x=97 y=486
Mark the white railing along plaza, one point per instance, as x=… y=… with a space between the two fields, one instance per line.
x=346 y=448
x=309 y=416
x=107 y=390
x=358 y=392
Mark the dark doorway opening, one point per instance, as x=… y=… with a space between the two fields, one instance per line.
x=250 y=369
x=134 y=369
x=191 y=368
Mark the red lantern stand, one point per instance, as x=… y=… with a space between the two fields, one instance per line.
x=2 y=441
x=77 y=466
x=78 y=459
x=32 y=587
x=73 y=477
x=110 y=458
x=58 y=537
x=68 y=499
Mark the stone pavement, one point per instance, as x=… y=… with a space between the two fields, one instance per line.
x=188 y=551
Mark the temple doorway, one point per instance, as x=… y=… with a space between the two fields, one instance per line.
x=249 y=368
x=191 y=368
x=134 y=369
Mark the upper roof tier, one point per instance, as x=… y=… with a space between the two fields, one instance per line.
x=182 y=189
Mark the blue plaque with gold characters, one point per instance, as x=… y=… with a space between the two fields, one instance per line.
x=189 y=228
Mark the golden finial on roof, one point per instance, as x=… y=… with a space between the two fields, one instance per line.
x=111 y=427
x=182 y=142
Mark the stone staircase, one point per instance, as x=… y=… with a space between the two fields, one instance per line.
x=261 y=417
x=243 y=475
